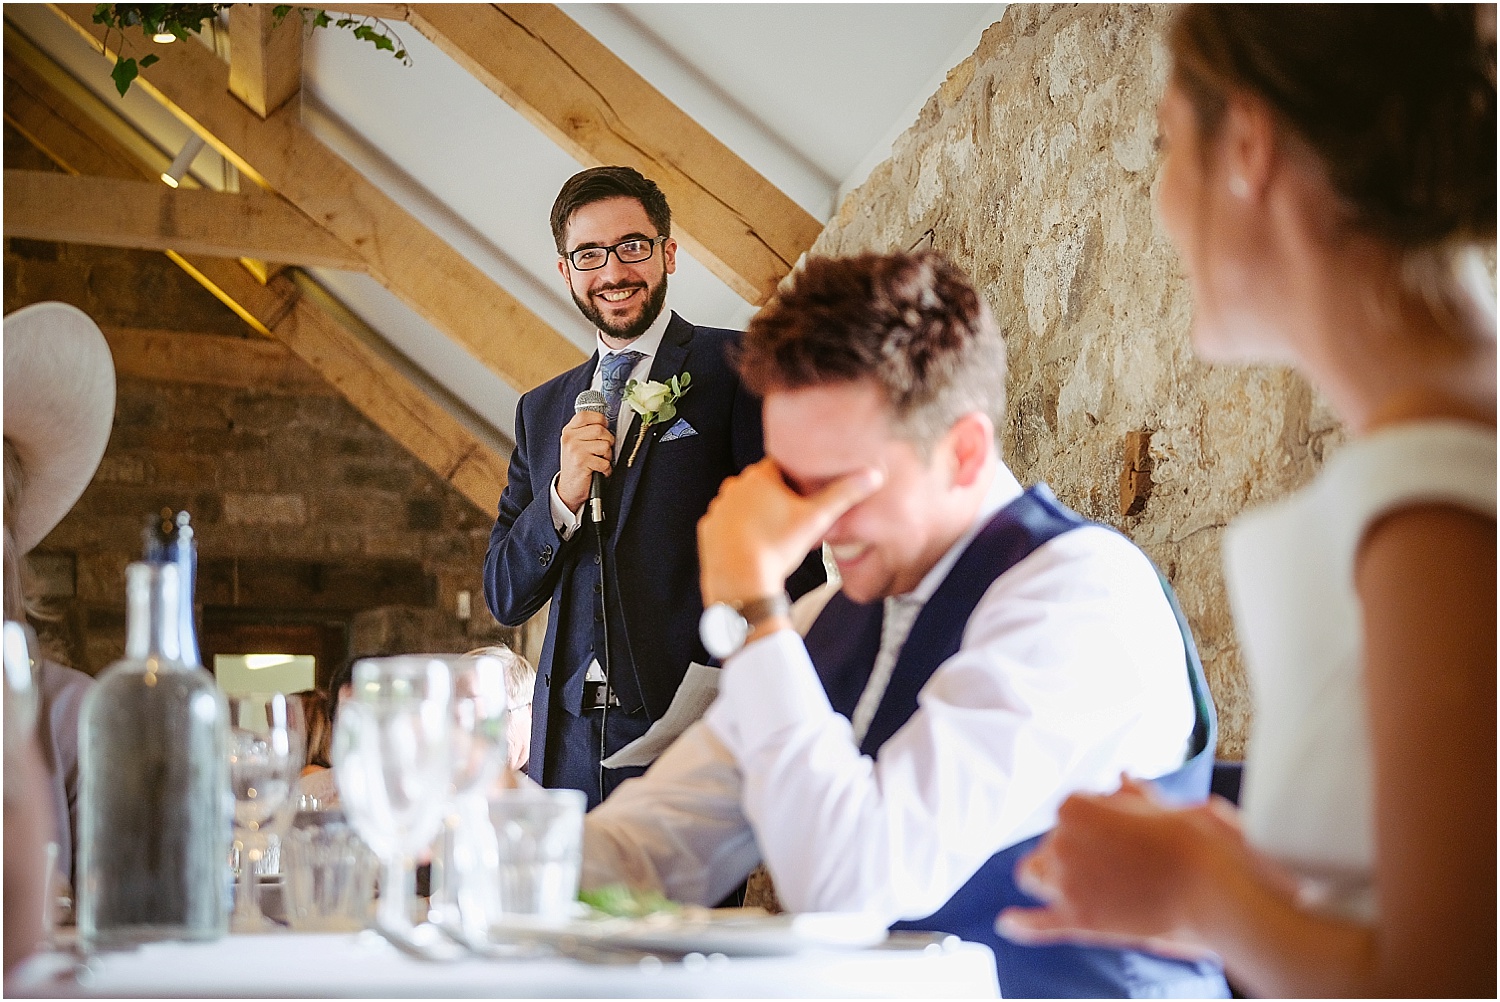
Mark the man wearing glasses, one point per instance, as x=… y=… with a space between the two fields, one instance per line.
x=623 y=624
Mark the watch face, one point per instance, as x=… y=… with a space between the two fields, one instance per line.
x=722 y=629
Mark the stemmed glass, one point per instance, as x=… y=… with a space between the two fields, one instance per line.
x=468 y=859
x=392 y=749
x=267 y=745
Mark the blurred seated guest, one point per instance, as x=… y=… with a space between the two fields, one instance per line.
x=341 y=685
x=316 y=788
x=1329 y=181
x=26 y=829
x=59 y=408
x=990 y=652
x=520 y=682
x=318 y=724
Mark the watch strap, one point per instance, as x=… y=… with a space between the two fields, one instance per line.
x=758 y=610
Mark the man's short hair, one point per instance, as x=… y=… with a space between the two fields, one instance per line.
x=600 y=183
x=910 y=323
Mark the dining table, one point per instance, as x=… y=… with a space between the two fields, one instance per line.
x=365 y=965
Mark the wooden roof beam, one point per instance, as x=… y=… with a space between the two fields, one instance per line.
x=376 y=387
x=245 y=363
x=572 y=87
x=146 y=215
x=265 y=58
x=401 y=253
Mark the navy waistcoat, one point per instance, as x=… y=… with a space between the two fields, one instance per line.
x=843 y=644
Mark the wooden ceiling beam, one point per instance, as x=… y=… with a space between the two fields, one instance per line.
x=384 y=11
x=571 y=86
x=265 y=57
x=47 y=106
x=246 y=363
x=401 y=253
x=375 y=387
x=146 y=215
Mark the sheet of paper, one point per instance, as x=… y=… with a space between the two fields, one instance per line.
x=699 y=687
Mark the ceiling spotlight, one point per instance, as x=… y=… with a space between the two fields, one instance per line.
x=163 y=37
x=190 y=150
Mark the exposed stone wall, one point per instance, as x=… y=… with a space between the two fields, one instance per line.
x=1033 y=168
x=296 y=490
x=303 y=511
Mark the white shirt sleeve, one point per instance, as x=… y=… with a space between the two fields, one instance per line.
x=564 y=519
x=1071 y=671
x=677 y=829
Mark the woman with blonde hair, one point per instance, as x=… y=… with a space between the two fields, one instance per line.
x=1329 y=180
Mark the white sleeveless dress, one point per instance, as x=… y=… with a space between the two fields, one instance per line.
x=1308 y=796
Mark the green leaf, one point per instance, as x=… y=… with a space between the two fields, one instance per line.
x=668 y=412
x=280 y=11
x=687 y=378
x=384 y=42
x=620 y=901
x=321 y=19
x=124 y=73
x=149 y=58
x=343 y=22
x=102 y=13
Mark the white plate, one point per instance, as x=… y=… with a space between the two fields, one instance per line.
x=734 y=932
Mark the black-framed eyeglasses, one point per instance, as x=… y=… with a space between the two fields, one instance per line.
x=632 y=251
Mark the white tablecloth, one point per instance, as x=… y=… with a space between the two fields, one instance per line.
x=362 y=965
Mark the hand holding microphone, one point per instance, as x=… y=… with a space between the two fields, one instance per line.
x=588 y=450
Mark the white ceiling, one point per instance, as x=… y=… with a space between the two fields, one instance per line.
x=811 y=95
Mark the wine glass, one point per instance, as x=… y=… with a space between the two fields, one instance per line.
x=466 y=870
x=392 y=748
x=267 y=744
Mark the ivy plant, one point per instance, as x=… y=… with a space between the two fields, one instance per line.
x=183 y=19
x=364 y=27
x=178 y=19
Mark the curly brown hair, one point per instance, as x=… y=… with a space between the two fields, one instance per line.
x=911 y=323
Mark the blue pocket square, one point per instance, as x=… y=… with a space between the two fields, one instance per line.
x=679 y=430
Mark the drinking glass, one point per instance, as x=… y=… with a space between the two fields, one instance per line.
x=330 y=875
x=540 y=834
x=392 y=758
x=466 y=860
x=267 y=743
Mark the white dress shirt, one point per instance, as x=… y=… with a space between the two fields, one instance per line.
x=1071 y=671
x=565 y=519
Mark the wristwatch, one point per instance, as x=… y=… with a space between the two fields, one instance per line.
x=724 y=626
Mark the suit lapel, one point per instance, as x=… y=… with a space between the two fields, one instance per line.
x=668 y=362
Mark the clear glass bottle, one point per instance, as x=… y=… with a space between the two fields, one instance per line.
x=169 y=540
x=155 y=808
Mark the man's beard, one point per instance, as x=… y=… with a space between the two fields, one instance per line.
x=630 y=331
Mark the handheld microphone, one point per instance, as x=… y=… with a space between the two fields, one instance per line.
x=593 y=400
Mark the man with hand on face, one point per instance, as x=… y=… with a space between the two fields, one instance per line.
x=623 y=625
x=990 y=653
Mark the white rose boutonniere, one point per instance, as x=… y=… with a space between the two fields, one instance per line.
x=654 y=402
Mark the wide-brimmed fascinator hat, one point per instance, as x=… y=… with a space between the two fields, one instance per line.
x=59 y=408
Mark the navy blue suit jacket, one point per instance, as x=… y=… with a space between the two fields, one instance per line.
x=652 y=508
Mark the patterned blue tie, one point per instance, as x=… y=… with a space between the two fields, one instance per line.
x=614 y=373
